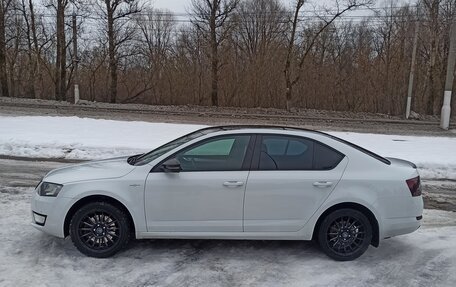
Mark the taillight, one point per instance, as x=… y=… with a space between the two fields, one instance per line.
x=414 y=184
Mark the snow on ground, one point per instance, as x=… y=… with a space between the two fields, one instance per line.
x=84 y=138
x=435 y=156
x=28 y=257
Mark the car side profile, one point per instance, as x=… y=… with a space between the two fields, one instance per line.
x=234 y=182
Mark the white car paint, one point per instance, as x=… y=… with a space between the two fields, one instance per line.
x=260 y=205
x=283 y=201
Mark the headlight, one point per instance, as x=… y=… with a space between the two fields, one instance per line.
x=49 y=189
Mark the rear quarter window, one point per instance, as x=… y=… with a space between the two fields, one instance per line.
x=326 y=158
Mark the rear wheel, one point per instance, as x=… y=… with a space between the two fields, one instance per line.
x=345 y=234
x=99 y=229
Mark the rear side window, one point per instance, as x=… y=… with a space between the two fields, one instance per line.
x=281 y=146
x=296 y=153
x=286 y=153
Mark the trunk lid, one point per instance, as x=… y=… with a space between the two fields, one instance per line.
x=401 y=162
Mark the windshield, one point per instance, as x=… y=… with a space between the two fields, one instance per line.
x=156 y=153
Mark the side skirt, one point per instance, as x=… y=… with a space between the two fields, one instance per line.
x=223 y=235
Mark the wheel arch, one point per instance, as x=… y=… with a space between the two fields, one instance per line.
x=96 y=198
x=356 y=206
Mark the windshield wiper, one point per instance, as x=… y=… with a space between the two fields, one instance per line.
x=133 y=159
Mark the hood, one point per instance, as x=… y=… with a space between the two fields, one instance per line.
x=93 y=170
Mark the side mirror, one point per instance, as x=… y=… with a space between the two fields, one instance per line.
x=171 y=165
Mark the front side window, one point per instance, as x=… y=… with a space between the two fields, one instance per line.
x=295 y=153
x=221 y=147
x=220 y=154
x=156 y=153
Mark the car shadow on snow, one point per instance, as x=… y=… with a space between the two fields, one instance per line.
x=229 y=249
x=193 y=249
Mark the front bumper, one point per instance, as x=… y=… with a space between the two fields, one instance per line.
x=53 y=210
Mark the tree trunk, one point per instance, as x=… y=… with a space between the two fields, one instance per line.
x=288 y=94
x=60 y=71
x=214 y=58
x=3 y=74
x=31 y=60
x=433 y=73
x=290 y=49
x=36 y=64
x=112 y=58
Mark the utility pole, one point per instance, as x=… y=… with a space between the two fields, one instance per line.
x=412 y=68
x=75 y=59
x=446 y=109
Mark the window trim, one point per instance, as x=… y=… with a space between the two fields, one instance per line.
x=245 y=164
x=256 y=154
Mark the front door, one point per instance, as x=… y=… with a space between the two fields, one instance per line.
x=208 y=194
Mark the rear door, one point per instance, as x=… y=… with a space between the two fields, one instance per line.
x=290 y=178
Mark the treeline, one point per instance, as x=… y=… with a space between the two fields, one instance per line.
x=243 y=53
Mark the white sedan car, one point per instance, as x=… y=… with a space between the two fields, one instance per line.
x=235 y=182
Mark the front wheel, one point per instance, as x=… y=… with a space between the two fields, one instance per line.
x=99 y=229
x=345 y=234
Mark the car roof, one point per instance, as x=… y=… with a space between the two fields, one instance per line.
x=213 y=129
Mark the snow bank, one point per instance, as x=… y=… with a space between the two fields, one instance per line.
x=435 y=156
x=84 y=138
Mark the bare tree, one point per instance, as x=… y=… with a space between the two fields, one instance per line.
x=5 y=6
x=291 y=79
x=191 y=64
x=61 y=49
x=432 y=7
x=231 y=53
x=155 y=45
x=260 y=34
x=118 y=31
x=262 y=24
x=28 y=13
x=211 y=17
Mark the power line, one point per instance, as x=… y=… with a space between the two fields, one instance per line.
x=263 y=13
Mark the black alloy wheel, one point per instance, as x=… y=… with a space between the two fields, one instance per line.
x=99 y=229
x=345 y=234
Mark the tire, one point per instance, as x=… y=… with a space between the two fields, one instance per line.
x=345 y=234
x=99 y=229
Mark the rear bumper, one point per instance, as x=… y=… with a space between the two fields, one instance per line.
x=399 y=226
x=400 y=215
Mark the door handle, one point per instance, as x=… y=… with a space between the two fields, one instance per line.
x=322 y=184
x=233 y=183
